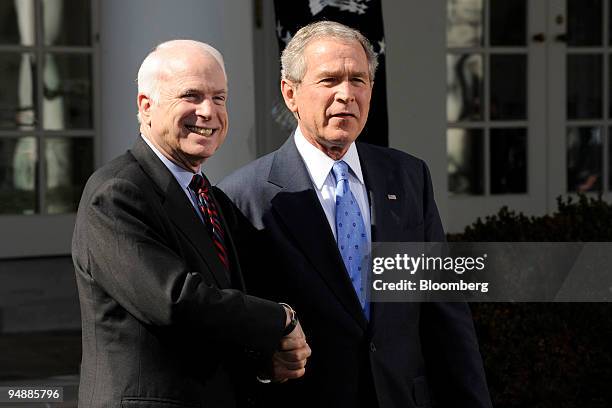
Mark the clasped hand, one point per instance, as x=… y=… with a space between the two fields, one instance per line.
x=289 y=361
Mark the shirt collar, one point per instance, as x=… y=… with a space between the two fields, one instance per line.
x=319 y=164
x=180 y=174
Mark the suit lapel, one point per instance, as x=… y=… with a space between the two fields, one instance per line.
x=386 y=195
x=180 y=210
x=387 y=201
x=299 y=208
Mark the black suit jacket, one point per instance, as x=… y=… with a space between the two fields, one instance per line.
x=408 y=354
x=163 y=322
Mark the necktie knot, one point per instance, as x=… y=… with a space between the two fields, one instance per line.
x=198 y=183
x=340 y=169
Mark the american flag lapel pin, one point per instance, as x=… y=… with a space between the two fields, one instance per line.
x=391 y=196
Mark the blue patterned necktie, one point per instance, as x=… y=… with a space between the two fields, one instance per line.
x=351 y=235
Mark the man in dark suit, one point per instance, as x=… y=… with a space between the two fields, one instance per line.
x=165 y=321
x=308 y=205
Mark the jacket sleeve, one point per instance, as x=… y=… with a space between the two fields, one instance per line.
x=127 y=253
x=450 y=347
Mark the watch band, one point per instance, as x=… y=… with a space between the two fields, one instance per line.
x=293 y=322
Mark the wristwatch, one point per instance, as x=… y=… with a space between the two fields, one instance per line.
x=293 y=322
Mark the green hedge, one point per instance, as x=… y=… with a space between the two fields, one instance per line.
x=545 y=355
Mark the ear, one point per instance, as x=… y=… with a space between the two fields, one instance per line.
x=289 y=89
x=144 y=108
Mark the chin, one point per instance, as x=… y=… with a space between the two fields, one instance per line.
x=199 y=152
x=342 y=138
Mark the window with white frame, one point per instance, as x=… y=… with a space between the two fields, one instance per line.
x=47 y=115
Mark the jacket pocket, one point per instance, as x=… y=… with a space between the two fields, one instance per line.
x=151 y=402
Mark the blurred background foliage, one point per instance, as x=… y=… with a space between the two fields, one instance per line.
x=542 y=355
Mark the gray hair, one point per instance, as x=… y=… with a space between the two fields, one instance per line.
x=293 y=64
x=153 y=65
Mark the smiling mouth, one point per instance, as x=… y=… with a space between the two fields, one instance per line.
x=200 y=130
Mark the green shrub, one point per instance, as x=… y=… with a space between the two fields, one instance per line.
x=546 y=354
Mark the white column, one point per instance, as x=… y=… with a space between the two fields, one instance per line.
x=130 y=29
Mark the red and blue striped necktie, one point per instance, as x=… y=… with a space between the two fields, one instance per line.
x=201 y=187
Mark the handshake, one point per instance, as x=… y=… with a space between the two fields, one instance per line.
x=289 y=360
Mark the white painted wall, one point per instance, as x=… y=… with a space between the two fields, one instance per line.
x=130 y=29
x=415 y=35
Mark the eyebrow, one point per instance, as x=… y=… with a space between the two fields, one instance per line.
x=336 y=73
x=196 y=90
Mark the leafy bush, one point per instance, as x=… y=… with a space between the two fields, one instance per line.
x=584 y=220
x=542 y=355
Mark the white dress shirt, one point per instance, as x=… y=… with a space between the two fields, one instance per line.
x=319 y=167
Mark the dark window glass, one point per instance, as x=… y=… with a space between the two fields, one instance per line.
x=465 y=152
x=67 y=92
x=68 y=165
x=18 y=180
x=584 y=159
x=584 y=86
x=464 y=91
x=584 y=22
x=609 y=158
x=67 y=22
x=17 y=22
x=508 y=148
x=17 y=91
x=508 y=87
x=610 y=87
x=508 y=22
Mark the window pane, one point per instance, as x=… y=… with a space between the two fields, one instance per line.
x=68 y=164
x=17 y=22
x=584 y=159
x=465 y=161
x=508 y=87
x=508 y=161
x=610 y=25
x=610 y=88
x=17 y=93
x=18 y=175
x=464 y=23
x=584 y=86
x=67 y=100
x=67 y=22
x=610 y=159
x=584 y=22
x=508 y=22
x=464 y=88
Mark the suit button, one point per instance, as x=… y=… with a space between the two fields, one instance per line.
x=372 y=347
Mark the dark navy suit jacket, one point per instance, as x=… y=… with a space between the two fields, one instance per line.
x=408 y=354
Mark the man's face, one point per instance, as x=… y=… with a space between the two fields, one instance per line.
x=189 y=122
x=333 y=99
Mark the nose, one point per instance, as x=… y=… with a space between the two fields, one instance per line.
x=345 y=92
x=205 y=109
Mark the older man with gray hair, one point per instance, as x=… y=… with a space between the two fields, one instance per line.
x=165 y=320
x=319 y=202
